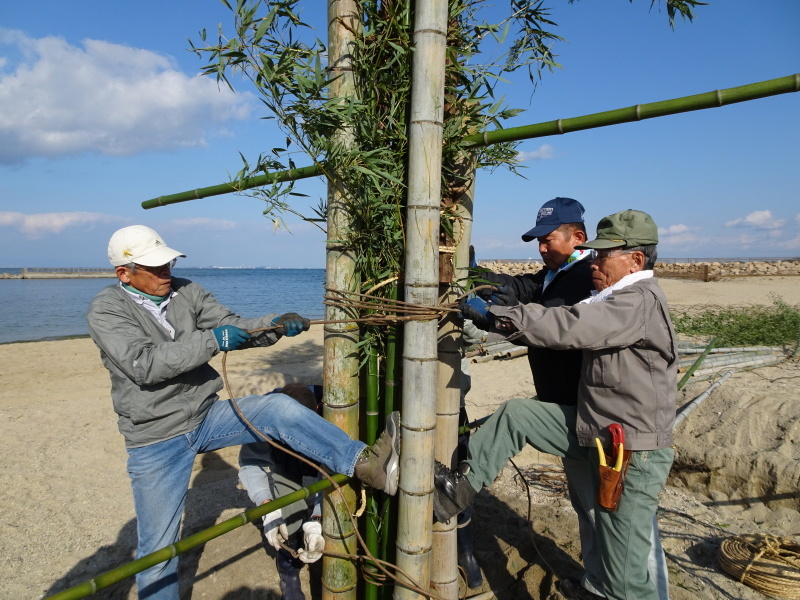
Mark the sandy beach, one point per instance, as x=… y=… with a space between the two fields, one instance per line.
x=66 y=512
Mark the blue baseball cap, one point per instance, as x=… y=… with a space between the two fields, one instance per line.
x=553 y=214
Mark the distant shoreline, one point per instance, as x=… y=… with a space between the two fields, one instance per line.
x=63 y=273
x=101 y=273
x=55 y=338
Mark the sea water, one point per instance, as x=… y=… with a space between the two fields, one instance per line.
x=38 y=309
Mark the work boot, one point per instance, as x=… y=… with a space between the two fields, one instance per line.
x=452 y=493
x=573 y=590
x=466 y=556
x=289 y=572
x=379 y=464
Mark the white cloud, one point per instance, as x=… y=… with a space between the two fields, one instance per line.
x=39 y=225
x=202 y=223
x=760 y=219
x=792 y=244
x=797 y=218
x=58 y=99
x=679 y=235
x=673 y=229
x=543 y=152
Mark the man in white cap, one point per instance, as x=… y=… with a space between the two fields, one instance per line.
x=156 y=334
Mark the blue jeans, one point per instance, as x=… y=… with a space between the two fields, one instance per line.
x=160 y=472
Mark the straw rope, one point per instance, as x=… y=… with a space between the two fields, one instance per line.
x=765 y=563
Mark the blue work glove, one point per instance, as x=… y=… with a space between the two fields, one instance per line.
x=477 y=310
x=230 y=337
x=292 y=324
x=504 y=296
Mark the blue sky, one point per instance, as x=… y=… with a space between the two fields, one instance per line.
x=102 y=107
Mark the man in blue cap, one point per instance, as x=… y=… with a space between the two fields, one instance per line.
x=566 y=279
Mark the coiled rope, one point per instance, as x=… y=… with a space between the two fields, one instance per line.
x=765 y=563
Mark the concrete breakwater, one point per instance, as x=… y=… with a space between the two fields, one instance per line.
x=82 y=273
x=702 y=271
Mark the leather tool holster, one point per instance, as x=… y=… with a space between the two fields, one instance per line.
x=612 y=482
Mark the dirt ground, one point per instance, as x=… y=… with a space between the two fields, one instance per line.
x=66 y=512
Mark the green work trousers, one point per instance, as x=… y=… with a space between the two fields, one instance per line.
x=624 y=535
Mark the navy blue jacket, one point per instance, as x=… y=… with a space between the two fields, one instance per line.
x=556 y=373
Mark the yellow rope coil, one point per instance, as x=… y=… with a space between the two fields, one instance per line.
x=765 y=563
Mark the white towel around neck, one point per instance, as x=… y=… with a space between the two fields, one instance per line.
x=622 y=283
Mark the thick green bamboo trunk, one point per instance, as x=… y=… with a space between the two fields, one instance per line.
x=744 y=93
x=340 y=367
x=414 y=531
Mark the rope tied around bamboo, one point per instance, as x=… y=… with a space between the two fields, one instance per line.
x=374 y=310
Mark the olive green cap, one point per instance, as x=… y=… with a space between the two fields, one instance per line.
x=625 y=229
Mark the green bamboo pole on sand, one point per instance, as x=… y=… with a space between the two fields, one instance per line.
x=371 y=422
x=391 y=388
x=639 y=112
x=104 y=580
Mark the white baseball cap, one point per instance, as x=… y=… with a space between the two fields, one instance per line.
x=141 y=245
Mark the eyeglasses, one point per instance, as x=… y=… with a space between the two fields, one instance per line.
x=155 y=270
x=602 y=256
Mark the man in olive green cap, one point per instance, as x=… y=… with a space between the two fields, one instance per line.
x=627 y=390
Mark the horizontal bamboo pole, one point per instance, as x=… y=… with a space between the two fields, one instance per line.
x=699 y=349
x=490 y=348
x=697 y=401
x=229 y=187
x=736 y=369
x=498 y=355
x=198 y=539
x=724 y=359
x=639 y=112
x=761 y=362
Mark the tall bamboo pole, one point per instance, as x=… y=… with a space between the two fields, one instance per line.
x=340 y=366
x=444 y=564
x=414 y=530
x=715 y=99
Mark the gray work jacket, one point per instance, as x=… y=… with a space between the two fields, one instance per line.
x=629 y=369
x=163 y=387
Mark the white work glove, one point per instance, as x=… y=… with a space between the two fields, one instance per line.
x=275 y=529
x=313 y=541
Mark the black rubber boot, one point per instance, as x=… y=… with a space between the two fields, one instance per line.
x=289 y=572
x=452 y=492
x=466 y=556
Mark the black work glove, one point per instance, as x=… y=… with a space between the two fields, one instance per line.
x=292 y=324
x=477 y=310
x=504 y=296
